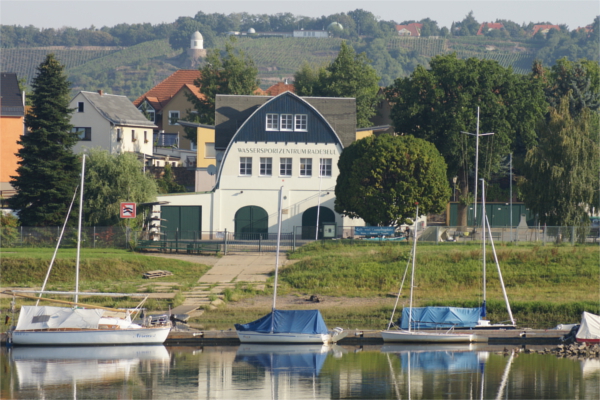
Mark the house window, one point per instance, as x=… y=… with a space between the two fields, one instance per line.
x=173 y=117
x=325 y=167
x=245 y=166
x=119 y=138
x=306 y=167
x=272 y=122
x=300 y=122
x=145 y=136
x=209 y=150
x=133 y=139
x=266 y=166
x=80 y=106
x=287 y=122
x=83 y=133
x=285 y=167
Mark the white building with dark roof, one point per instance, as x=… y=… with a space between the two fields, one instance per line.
x=110 y=122
x=262 y=144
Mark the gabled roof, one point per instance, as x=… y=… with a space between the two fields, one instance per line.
x=117 y=109
x=11 y=100
x=161 y=94
x=490 y=26
x=280 y=87
x=414 y=28
x=543 y=28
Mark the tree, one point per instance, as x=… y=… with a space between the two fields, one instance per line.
x=349 y=75
x=228 y=72
x=167 y=183
x=578 y=81
x=111 y=179
x=48 y=170
x=440 y=103
x=382 y=177
x=560 y=175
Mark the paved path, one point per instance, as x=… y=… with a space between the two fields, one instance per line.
x=251 y=268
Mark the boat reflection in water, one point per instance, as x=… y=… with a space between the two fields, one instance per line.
x=43 y=367
x=439 y=358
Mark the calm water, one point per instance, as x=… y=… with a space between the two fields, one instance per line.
x=293 y=372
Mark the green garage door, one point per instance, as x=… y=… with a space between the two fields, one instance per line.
x=251 y=222
x=186 y=221
x=309 y=219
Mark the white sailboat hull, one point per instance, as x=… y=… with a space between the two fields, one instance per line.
x=278 y=338
x=428 y=337
x=91 y=337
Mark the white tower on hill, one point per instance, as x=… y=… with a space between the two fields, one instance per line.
x=197 y=42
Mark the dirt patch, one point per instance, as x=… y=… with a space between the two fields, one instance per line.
x=301 y=302
x=206 y=260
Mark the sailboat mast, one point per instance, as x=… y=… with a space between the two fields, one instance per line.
x=483 y=217
x=277 y=252
x=412 y=279
x=79 y=230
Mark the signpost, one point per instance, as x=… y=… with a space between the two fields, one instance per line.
x=128 y=210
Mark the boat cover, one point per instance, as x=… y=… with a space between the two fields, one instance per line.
x=46 y=317
x=440 y=317
x=589 y=330
x=287 y=321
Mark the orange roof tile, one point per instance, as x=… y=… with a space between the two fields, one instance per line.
x=280 y=87
x=413 y=28
x=160 y=94
x=260 y=92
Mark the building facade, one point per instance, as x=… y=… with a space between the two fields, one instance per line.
x=12 y=127
x=263 y=144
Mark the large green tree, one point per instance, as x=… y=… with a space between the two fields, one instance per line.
x=111 y=179
x=349 y=75
x=439 y=103
x=560 y=175
x=382 y=177
x=48 y=170
x=227 y=72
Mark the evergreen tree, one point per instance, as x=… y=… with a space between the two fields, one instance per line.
x=48 y=170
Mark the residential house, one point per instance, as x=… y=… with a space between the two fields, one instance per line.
x=280 y=87
x=166 y=103
x=412 y=29
x=110 y=122
x=205 y=160
x=12 y=127
x=490 y=26
x=544 y=29
x=263 y=144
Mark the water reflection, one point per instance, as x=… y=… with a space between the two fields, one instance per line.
x=293 y=372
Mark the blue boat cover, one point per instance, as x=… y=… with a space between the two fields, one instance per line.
x=306 y=364
x=440 y=317
x=287 y=321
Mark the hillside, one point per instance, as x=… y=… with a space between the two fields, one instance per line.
x=133 y=70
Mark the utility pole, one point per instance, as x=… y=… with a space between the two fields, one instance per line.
x=477 y=134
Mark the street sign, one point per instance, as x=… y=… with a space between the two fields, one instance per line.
x=128 y=210
x=374 y=230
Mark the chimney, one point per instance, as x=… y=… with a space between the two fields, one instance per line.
x=100 y=92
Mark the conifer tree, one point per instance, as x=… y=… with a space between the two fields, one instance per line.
x=48 y=170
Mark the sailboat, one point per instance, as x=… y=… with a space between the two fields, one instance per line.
x=287 y=326
x=81 y=324
x=411 y=335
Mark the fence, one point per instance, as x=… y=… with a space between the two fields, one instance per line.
x=91 y=237
x=227 y=242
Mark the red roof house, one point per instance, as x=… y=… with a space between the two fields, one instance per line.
x=280 y=87
x=490 y=26
x=412 y=29
x=544 y=28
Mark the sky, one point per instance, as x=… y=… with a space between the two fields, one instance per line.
x=99 y=13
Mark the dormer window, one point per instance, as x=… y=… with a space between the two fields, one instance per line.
x=272 y=122
x=148 y=111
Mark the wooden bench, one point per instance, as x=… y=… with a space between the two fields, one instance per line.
x=171 y=246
